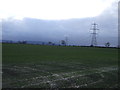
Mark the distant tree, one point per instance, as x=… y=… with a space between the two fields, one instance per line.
x=107 y=44
x=91 y=45
x=24 y=42
x=63 y=42
x=19 y=42
x=53 y=44
x=49 y=43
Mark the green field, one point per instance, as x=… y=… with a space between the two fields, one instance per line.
x=36 y=66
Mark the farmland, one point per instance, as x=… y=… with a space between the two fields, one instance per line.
x=37 y=66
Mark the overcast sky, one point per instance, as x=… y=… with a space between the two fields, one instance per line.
x=52 y=20
x=53 y=9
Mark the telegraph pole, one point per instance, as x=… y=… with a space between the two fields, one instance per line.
x=94 y=34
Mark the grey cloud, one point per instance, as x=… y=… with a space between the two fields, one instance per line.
x=78 y=30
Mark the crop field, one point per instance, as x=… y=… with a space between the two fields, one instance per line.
x=37 y=66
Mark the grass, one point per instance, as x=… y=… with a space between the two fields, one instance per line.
x=35 y=66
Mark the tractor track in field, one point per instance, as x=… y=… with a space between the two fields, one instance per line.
x=61 y=77
x=52 y=79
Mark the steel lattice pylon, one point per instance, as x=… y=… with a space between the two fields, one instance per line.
x=94 y=34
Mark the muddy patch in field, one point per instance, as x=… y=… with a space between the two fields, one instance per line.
x=71 y=80
x=36 y=76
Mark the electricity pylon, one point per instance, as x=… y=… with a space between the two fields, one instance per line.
x=94 y=34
